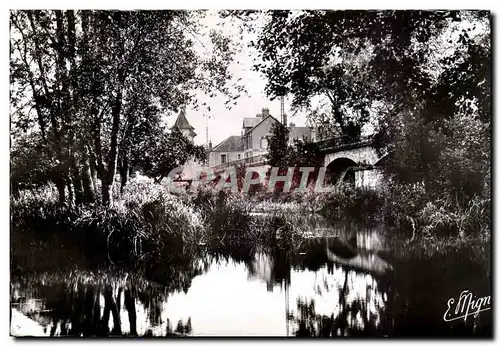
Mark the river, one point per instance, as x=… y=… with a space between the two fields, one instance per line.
x=341 y=280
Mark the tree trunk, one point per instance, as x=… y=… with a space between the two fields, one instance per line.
x=108 y=179
x=124 y=172
x=93 y=170
x=88 y=185
x=78 y=189
x=106 y=192
x=71 y=190
x=89 y=165
x=61 y=189
x=132 y=316
x=77 y=183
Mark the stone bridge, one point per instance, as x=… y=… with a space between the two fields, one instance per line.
x=356 y=163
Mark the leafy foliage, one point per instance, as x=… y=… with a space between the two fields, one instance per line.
x=156 y=158
x=278 y=145
x=424 y=75
x=100 y=82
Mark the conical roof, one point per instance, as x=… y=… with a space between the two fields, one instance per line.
x=181 y=123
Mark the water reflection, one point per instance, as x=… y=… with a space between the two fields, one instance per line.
x=79 y=308
x=359 y=306
x=339 y=284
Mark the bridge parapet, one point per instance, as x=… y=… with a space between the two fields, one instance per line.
x=247 y=161
x=342 y=143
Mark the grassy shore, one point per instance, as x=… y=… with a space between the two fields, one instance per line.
x=144 y=225
x=146 y=222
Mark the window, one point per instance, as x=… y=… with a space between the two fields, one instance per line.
x=238 y=156
x=223 y=158
x=263 y=142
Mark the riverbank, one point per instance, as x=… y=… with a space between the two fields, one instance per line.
x=143 y=224
x=211 y=246
x=146 y=221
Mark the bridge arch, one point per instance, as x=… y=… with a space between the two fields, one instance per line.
x=354 y=165
x=341 y=170
x=363 y=155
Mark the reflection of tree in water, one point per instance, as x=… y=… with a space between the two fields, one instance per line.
x=272 y=267
x=360 y=297
x=361 y=300
x=85 y=304
x=96 y=310
x=358 y=312
x=136 y=305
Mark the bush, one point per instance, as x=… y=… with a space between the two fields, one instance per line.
x=138 y=226
x=226 y=214
x=402 y=203
x=412 y=211
x=348 y=202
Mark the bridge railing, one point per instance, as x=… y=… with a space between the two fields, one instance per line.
x=252 y=160
x=325 y=144
x=339 y=141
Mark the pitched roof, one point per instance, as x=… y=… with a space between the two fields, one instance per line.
x=232 y=143
x=181 y=122
x=298 y=132
x=261 y=121
x=192 y=133
x=251 y=122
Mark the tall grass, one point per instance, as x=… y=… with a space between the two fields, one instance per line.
x=409 y=209
x=143 y=223
x=146 y=223
x=414 y=212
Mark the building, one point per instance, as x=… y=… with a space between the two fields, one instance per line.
x=229 y=150
x=182 y=124
x=252 y=146
x=255 y=134
x=299 y=133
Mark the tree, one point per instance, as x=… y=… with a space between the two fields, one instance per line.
x=444 y=140
x=302 y=153
x=30 y=165
x=278 y=145
x=425 y=73
x=301 y=55
x=305 y=153
x=94 y=76
x=160 y=155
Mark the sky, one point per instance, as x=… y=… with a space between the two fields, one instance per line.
x=222 y=122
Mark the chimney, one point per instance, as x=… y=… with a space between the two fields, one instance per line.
x=292 y=125
x=210 y=146
x=265 y=112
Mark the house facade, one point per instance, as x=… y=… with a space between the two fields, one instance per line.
x=227 y=151
x=255 y=133
x=301 y=133
x=253 y=144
